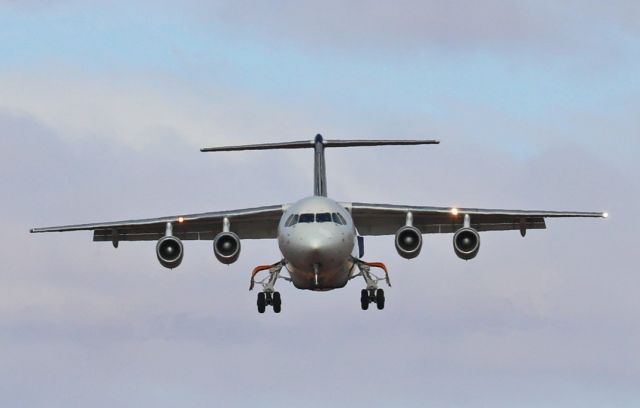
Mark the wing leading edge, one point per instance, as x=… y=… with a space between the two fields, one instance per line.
x=249 y=223
x=386 y=219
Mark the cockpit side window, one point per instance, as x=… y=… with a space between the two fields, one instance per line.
x=306 y=218
x=336 y=219
x=292 y=220
x=341 y=218
x=323 y=217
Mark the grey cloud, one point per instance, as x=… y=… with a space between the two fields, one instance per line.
x=561 y=28
x=525 y=27
x=575 y=34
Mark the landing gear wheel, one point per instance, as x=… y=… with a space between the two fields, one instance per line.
x=276 y=302
x=380 y=299
x=262 y=302
x=364 y=299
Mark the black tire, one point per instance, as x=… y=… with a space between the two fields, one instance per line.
x=364 y=299
x=262 y=302
x=364 y=294
x=277 y=302
x=380 y=299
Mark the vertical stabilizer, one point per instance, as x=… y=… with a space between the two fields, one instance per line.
x=319 y=168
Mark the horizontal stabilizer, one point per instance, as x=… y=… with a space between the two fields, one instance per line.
x=354 y=143
x=261 y=146
x=319 y=140
x=319 y=145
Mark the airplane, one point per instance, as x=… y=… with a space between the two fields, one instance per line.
x=321 y=240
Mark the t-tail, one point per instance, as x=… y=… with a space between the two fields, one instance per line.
x=319 y=144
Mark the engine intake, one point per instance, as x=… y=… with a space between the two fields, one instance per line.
x=170 y=251
x=226 y=247
x=408 y=242
x=466 y=243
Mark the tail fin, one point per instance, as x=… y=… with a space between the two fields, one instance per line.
x=318 y=144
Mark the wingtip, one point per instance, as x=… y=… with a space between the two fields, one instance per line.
x=605 y=215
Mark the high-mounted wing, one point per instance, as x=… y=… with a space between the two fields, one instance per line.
x=250 y=223
x=386 y=219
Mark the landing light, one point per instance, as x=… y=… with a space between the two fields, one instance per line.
x=605 y=215
x=180 y=219
x=454 y=211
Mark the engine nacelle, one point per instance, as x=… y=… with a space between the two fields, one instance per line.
x=466 y=243
x=170 y=251
x=408 y=242
x=226 y=247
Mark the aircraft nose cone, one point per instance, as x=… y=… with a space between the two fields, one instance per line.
x=316 y=249
x=315 y=245
x=306 y=245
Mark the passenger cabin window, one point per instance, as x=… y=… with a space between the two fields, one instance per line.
x=306 y=218
x=292 y=220
x=323 y=217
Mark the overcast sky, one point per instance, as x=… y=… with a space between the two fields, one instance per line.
x=103 y=108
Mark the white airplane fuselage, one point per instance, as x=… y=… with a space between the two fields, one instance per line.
x=318 y=251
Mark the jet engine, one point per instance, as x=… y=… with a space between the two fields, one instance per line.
x=466 y=243
x=408 y=242
x=169 y=251
x=226 y=247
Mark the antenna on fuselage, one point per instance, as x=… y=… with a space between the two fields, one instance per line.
x=319 y=144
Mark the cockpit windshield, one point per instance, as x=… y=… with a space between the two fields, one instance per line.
x=323 y=217
x=308 y=218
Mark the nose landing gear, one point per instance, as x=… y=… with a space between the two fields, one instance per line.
x=371 y=294
x=268 y=296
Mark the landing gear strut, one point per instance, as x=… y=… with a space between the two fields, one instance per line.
x=268 y=296
x=371 y=294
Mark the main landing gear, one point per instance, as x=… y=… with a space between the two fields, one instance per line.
x=372 y=294
x=268 y=296
x=368 y=296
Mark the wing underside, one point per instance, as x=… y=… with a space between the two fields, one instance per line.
x=370 y=219
x=250 y=223
x=386 y=219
